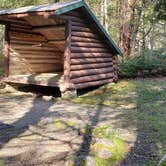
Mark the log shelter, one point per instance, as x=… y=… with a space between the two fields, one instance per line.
x=60 y=45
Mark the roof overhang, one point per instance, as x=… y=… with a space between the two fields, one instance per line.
x=62 y=8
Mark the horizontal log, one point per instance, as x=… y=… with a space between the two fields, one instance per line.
x=23 y=65
x=33 y=44
x=45 y=43
x=89 y=45
x=90 y=60
x=32 y=57
x=36 y=61
x=26 y=35
x=92 y=78
x=85 y=34
x=80 y=29
x=90 y=66
x=15 y=21
x=89 y=40
x=35 y=69
x=93 y=83
x=36 y=56
x=28 y=27
x=22 y=30
x=25 y=42
x=91 y=55
x=33 y=37
x=34 y=66
x=34 y=52
x=27 y=38
x=51 y=26
x=29 y=32
x=84 y=25
x=88 y=72
x=89 y=50
x=27 y=47
x=62 y=42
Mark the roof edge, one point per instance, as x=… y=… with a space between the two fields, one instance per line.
x=69 y=8
x=103 y=30
x=83 y=4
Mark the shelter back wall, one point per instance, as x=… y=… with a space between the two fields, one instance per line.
x=30 y=53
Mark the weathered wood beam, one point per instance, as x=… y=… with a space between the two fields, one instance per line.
x=10 y=21
x=45 y=27
x=67 y=54
x=24 y=31
x=89 y=72
x=83 y=25
x=6 y=51
x=88 y=45
x=80 y=29
x=92 y=78
x=93 y=83
x=85 y=34
x=85 y=39
x=27 y=37
x=89 y=50
x=90 y=60
x=91 y=55
x=28 y=27
x=31 y=48
x=90 y=66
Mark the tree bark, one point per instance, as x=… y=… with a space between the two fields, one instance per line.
x=126 y=28
x=106 y=14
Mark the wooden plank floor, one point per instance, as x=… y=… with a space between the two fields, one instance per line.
x=43 y=79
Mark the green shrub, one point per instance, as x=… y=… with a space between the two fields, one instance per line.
x=143 y=65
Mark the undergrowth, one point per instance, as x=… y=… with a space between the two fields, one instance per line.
x=143 y=65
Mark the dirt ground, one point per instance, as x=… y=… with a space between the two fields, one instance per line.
x=36 y=130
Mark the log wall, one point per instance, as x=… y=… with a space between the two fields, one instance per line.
x=92 y=61
x=31 y=53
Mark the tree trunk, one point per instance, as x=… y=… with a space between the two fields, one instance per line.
x=152 y=38
x=106 y=14
x=102 y=13
x=126 y=28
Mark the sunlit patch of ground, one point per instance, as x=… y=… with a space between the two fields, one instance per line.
x=142 y=104
x=121 y=124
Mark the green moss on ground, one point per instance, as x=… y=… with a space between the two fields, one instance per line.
x=143 y=105
x=117 y=148
x=61 y=124
x=1 y=163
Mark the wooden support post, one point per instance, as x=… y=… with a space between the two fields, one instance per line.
x=115 y=67
x=67 y=85
x=6 y=50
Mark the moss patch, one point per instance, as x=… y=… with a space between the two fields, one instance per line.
x=118 y=147
x=61 y=124
x=1 y=163
x=141 y=104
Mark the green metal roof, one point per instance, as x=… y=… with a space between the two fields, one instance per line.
x=86 y=7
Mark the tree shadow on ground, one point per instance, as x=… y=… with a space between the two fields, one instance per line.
x=84 y=150
x=32 y=117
